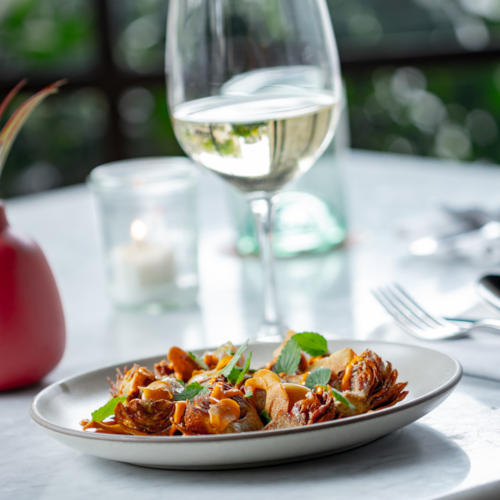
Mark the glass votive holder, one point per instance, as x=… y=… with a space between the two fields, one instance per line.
x=147 y=210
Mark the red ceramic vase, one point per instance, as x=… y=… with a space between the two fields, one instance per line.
x=32 y=330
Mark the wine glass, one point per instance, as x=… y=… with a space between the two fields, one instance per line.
x=254 y=92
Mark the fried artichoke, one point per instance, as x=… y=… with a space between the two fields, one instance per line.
x=222 y=410
x=218 y=393
x=371 y=384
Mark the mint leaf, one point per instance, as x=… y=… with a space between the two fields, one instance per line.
x=181 y=382
x=289 y=359
x=245 y=369
x=234 y=375
x=198 y=360
x=338 y=396
x=190 y=392
x=321 y=376
x=249 y=394
x=238 y=374
x=312 y=343
x=229 y=367
x=107 y=410
x=264 y=416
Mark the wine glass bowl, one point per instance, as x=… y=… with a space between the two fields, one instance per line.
x=256 y=142
x=254 y=92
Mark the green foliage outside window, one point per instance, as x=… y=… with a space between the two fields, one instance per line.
x=445 y=110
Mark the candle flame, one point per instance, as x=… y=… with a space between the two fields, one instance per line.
x=138 y=230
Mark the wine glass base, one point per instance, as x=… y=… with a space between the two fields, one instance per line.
x=271 y=332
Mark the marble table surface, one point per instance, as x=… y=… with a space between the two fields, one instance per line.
x=454 y=452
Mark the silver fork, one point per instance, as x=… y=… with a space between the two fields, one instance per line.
x=421 y=324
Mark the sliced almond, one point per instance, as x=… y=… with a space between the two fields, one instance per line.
x=336 y=362
x=263 y=379
x=295 y=393
x=277 y=400
x=224 y=413
x=157 y=390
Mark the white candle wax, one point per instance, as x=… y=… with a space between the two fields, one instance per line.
x=141 y=270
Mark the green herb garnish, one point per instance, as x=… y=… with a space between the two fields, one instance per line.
x=312 y=343
x=338 y=396
x=321 y=376
x=289 y=358
x=236 y=356
x=238 y=374
x=234 y=375
x=264 y=416
x=198 y=360
x=249 y=394
x=191 y=391
x=107 y=410
x=181 y=382
x=246 y=366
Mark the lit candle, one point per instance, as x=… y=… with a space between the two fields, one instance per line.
x=141 y=270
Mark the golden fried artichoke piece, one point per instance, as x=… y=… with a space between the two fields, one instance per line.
x=294 y=379
x=283 y=397
x=163 y=369
x=273 y=395
x=316 y=406
x=128 y=384
x=262 y=379
x=336 y=362
x=166 y=388
x=282 y=420
x=258 y=399
x=230 y=412
x=182 y=363
x=370 y=384
x=145 y=417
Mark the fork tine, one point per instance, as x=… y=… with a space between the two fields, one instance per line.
x=410 y=324
x=415 y=307
x=406 y=308
x=413 y=318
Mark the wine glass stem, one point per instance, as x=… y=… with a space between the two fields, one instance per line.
x=272 y=327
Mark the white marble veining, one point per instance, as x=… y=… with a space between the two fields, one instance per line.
x=452 y=453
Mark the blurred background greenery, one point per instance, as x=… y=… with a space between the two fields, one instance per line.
x=422 y=77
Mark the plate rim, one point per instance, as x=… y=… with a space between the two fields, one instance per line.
x=443 y=389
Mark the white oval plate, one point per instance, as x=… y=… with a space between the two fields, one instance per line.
x=60 y=407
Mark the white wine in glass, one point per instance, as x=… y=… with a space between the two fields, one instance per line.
x=254 y=94
x=257 y=143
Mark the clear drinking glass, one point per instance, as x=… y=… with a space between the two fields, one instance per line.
x=254 y=92
x=147 y=210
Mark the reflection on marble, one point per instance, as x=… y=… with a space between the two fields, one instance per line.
x=314 y=291
x=392 y=475
x=153 y=335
